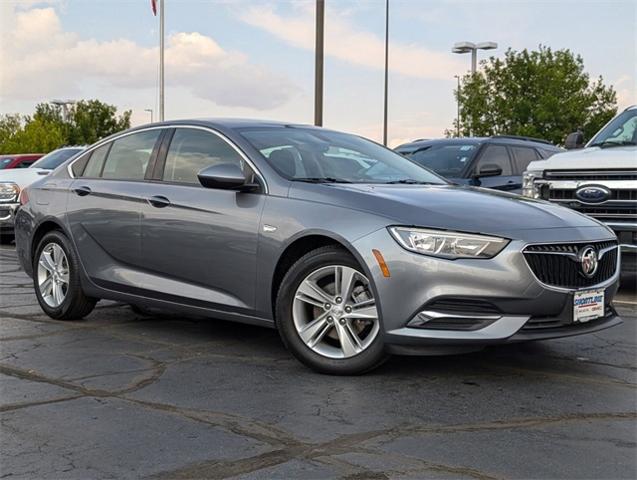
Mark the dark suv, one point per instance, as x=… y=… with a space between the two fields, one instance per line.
x=492 y=162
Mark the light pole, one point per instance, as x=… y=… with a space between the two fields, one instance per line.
x=457 y=77
x=469 y=47
x=64 y=104
x=318 y=63
x=150 y=110
x=386 y=71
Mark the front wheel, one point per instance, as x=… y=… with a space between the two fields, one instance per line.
x=56 y=279
x=327 y=314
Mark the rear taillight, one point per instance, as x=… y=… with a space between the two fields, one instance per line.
x=24 y=197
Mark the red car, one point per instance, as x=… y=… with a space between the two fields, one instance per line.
x=22 y=160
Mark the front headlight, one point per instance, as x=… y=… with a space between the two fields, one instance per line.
x=9 y=192
x=529 y=187
x=448 y=244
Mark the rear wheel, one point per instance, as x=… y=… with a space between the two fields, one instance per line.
x=57 y=281
x=327 y=315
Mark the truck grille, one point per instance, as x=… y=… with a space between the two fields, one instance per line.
x=558 y=264
x=569 y=194
x=588 y=175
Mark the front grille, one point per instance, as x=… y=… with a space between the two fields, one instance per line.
x=569 y=194
x=556 y=264
x=607 y=212
x=591 y=175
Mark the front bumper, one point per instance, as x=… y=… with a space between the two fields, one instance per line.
x=504 y=301
x=7 y=216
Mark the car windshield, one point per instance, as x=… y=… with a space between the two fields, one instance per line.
x=56 y=158
x=5 y=162
x=447 y=160
x=323 y=156
x=622 y=130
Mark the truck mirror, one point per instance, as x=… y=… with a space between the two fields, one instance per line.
x=574 y=140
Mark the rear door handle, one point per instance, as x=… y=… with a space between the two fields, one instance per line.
x=159 y=201
x=82 y=191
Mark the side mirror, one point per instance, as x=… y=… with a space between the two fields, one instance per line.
x=489 y=170
x=574 y=140
x=225 y=176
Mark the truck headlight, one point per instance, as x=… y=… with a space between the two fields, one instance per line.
x=9 y=192
x=529 y=187
x=448 y=244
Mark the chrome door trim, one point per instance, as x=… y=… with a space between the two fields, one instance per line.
x=166 y=127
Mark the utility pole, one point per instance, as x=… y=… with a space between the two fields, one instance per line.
x=386 y=71
x=150 y=110
x=457 y=77
x=161 y=60
x=318 y=63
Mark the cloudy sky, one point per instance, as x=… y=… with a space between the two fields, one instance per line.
x=253 y=58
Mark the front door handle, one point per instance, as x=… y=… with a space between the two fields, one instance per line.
x=159 y=201
x=82 y=191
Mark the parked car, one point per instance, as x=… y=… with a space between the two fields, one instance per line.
x=349 y=249
x=491 y=162
x=599 y=180
x=13 y=181
x=21 y=160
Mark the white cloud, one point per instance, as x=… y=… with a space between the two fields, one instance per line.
x=38 y=59
x=345 y=42
x=626 y=86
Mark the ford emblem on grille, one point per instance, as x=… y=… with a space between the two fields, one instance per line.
x=588 y=261
x=592 y=194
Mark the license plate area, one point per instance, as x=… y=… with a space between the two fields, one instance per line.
x=588 y=305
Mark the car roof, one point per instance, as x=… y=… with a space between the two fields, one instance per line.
x=500 y=139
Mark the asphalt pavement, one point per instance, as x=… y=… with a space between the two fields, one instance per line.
x=121 y=395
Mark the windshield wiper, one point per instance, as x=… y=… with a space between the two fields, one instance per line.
x=607 y=144
x=411 y=181
x=321 y=180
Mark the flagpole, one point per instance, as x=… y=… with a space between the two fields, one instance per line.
x=318 y=63
x=161 y=60
x=386 y=72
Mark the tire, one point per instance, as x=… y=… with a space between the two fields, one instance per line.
x=334 y=349
x=74 y=304
x=6 y=238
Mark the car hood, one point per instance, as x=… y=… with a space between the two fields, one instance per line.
x=589 y=158
x=460 y=208
x=23 y=177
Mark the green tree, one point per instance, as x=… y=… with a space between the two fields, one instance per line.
x=26 y=135
x=544 y=93
x=85 y=122
x=91 y=120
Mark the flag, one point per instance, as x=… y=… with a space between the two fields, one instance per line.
x=153 y=5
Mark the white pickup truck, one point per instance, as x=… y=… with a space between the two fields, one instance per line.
x=599 y=180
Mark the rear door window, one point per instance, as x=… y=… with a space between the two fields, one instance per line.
x=191 y=150
x=129 y=156
x=522 y=156
x=95 y=163
x=495 y=155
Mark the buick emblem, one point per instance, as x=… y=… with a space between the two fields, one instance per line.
x=588 y=261
x=592 y=194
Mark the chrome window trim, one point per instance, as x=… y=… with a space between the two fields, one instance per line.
x=166 y=127
x=604 y=284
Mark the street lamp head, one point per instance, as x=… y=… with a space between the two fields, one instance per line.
x=487 y=45
x=463 y=47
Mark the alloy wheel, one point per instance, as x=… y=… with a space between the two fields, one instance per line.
x=335 y=312
x=53 y=275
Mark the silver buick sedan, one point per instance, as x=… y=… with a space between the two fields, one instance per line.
x=351 y=251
